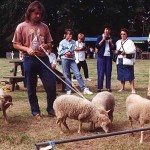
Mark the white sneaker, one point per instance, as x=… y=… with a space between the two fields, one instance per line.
x=68 y=92
x=74 y=80
x=133 y=92
x=87 y=79
x=121 y=90
x=87 y=91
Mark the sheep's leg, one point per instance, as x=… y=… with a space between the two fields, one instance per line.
x=92 y=126
x=5 y=116
x=80 y=127
x=81 y=118
x=59 y=121
x=65 y=124
x=142 y=135
x=110 y=114
x=130 y=119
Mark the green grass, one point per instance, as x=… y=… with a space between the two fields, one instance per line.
x=23 y=131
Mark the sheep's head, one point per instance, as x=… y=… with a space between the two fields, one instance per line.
x=7 y=101
x=104 y=122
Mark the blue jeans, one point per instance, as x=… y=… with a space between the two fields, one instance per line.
x=68 y=64
x=32 y=68
x=104 y=67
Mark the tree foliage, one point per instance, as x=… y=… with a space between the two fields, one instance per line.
x=84 y=16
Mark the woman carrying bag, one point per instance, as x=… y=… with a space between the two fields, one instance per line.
x=125 y=49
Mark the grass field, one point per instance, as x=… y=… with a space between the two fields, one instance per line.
x=23 y=131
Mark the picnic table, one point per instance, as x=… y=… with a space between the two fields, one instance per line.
x=14 y=79
x=17 y=62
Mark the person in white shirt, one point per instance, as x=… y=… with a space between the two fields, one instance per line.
x=80 y=50
x=53 y=62
x=125 y=49
x=52 y=59
x=104 y=47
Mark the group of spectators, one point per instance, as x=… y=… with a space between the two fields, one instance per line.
x=32 y=34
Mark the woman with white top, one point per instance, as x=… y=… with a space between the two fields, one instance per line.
x=80 y=50
x=66 y=52
x=125 y=49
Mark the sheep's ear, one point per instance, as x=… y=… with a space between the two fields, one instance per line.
x=108 y=111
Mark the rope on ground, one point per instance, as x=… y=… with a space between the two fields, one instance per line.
x=74 y=89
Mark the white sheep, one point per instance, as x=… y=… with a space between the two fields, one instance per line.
x=105 y=101
x=138 y=109
x=79 y=109
x=5 y=102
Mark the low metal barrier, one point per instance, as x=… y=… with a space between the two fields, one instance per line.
x=52 y=143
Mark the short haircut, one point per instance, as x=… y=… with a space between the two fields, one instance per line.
x=107 y=26
x=68 y=31
x=124 y=30
x=81 y=36
x=31 y=8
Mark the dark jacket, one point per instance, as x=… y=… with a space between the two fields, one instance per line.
x=101 y=49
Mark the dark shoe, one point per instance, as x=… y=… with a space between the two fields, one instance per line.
x=109 y=90
x=37 y=117
x=51 y=113
x=99 y=90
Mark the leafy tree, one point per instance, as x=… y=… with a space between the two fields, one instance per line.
x=84 y=16
x=11 y=13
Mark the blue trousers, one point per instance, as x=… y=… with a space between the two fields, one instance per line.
x=84 y=66
x=68 y=64
x=104 y=67
x=32 y=68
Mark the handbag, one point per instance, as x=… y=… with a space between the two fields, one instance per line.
x=69 y=55
x=114 y=56
x=128 y=62
x=130 y=56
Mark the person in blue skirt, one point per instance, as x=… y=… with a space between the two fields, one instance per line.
x=126 y=50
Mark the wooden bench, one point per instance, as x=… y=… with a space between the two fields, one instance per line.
x=14 y=80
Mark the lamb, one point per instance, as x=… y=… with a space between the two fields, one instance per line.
x=79 y=109
x=138 y=109
x=5 y=102
x=105 y=101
